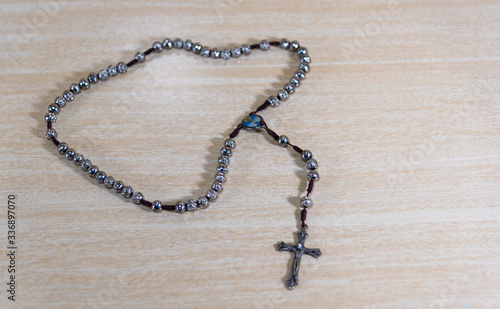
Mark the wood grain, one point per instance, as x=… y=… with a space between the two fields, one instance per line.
x=401 y=110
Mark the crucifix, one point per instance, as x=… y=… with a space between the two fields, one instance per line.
x=298 y=249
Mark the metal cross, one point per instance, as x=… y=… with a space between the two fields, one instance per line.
x=298 y=250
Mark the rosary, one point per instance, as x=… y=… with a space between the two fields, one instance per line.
x=251 y=122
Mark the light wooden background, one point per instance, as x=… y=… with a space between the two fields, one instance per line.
x=401 y=109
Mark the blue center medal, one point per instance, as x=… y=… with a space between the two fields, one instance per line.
x=252 y=122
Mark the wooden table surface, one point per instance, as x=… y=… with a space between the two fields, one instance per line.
x=401 y=110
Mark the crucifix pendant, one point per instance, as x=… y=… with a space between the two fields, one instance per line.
x=298 y=249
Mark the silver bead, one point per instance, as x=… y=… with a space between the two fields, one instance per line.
x=197 y=48
x=69 y=154
x=283 y=95
x=180 y=207
x=178 y=43
x=313 y=175
x=302 y=51
x=112 y=70
x=62 y=148
x=212 y=195
x=225 y=54
x=50 y=134
x=304 y=67
x=236 y=52
x=306 y=155
x=84 y=84
x=140 y=57
x=191 y=205
x=289 y=88
x=294 y=46
x=68 y=96
x=226 y=152
x=223 y=160
x=100 y=177
x=217 y=186
x=103 y=75
x=246 y=50
x=92 y=78
x=137 y=197
x=306 y=202
x=50 y=117
x=215 y=53
x=167 y=44
x=54 y=109
x=264 y=45
x=273 y=101
x=157 y=47
x=311 y=164
x=294 y=82
x=93 y=170
x=203 y=202
x=222 y=169
x=121 y=67
x=230 y=143
x=60 y=101
x=220 y=177
x=305 y=59
x=187 y=45
x=300 y=75
x=118 y=186
x=157 y=206
x=75 y=88
x=127 y=191
x=285 y=44
x=109 y=181
x=85 y=164
x=205 y=52
x=283 y=140
x=78 y=158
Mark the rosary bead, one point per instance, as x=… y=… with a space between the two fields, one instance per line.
x=236 y=52
x=127 y=192
x=187 y=45
x=306 y=202
x=264 y=45
x=167 y=44
x=304 y=67
x=118 y=186
x=285 y=44
x=305 y=59
x=178 y=43
x=197 y=48
x=302 y=52
x=212 y=195
x=225 y=54
x=84 y=84
x=283 y=95
x=50 y=117
x=137 y=197
x=306 y=155
x=112 y=70
x=54 y=109
x=294 y=82
x=220 y=177
x=191 y=205
x=215 y=53
x=68 y=96
x=93 y=170
x=109 y=182
x=289 y=88
x=60 y=101
x=100 y=176
x=246 y=49
x=50 y=134
x=230 y=143
x=62 y=148
x=222 y=169
x=300 y=75
x=140 y=57
x=294 y=46
x=224 y=160
x=92 y=78
x=78 y=158
x=217 y=186
x=203 y=202
x=69 y=154
x=157 y=206
x=121 y=67
x=313 y=175
x=85 y=164
x=103 y=75
x=180 y=207
x=311 y=164
x=283 y=140
x=157 y=47
x=226 y=152
x=75 y=88
x=273 y=101
x=205 y=52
